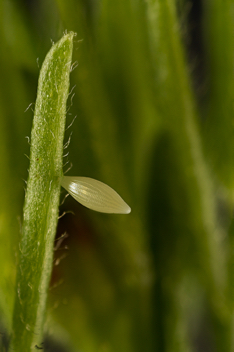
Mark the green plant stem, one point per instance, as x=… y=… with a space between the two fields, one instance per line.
x=42 y=197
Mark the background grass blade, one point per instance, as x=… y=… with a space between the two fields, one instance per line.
x=216 y=124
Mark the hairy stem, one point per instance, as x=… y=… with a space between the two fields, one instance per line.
x=42 y=197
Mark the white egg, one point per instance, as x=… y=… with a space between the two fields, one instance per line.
x=95 y=195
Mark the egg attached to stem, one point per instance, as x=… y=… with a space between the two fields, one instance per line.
x=95 y=195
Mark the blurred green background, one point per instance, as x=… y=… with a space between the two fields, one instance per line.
x=153 y=84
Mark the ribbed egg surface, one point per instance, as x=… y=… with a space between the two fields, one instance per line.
x=95 y=195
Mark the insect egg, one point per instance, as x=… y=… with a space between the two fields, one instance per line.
x=95 y=195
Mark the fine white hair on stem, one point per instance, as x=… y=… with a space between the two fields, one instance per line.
x=95 y=195
x=68 y=142
x=72 y=90
x=65 y=155
x=65 y=213
x=71 y=123
x=27 y=156
x=30 y=107
x=67 y=162
x=70 y=167
x=28 y=139
x=38 y=62
x=64 y=198
x=74 y=66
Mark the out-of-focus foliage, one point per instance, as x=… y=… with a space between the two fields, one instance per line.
x=154 y=105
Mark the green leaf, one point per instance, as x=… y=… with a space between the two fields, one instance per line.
x=42 y=197
x=218 y=120
x=181 y=142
